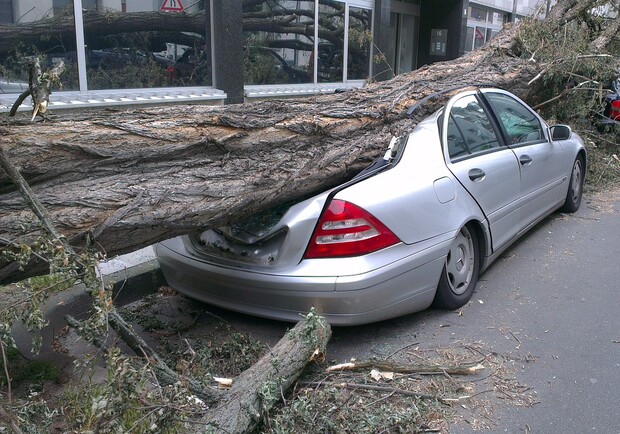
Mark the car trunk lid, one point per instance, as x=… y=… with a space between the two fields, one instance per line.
x=279 y=236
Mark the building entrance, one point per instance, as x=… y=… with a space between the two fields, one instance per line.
x=403 y=36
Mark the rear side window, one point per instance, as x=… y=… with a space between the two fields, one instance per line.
x=519 y=123
x=469 y=129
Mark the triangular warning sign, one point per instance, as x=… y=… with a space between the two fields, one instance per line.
x=172 y=6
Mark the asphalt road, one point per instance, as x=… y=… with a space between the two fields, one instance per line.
x=551 y=304
x=558 y=292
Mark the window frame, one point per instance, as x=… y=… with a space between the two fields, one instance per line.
x=445 y=120
x=544 y=129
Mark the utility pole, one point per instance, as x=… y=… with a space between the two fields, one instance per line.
x=514 y=11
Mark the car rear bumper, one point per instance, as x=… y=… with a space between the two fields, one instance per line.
x=404 y=286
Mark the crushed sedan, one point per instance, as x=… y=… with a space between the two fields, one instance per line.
x=413 y=230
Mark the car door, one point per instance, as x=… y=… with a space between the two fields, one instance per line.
x=485 y=167
x=541 y=173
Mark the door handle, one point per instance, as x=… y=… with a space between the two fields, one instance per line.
x=476 y=174
x=525 y=159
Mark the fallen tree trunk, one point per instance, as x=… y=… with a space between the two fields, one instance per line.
x=253 y=393
x=128 y=178
x=258 y=388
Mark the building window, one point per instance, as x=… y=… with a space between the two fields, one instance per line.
x=278 y=42
x=35 y=40
x=479 y=37
x=291 y=42
x=482 y=26
x=359 y=37
x=142 y=49
x=478 y=14
x=159 y=49
x=331 y=41
x=126 y=44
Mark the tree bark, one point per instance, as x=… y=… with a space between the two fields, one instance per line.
x=128 y=178
x=256 y=390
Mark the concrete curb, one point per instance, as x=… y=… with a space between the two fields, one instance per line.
x=132 y=277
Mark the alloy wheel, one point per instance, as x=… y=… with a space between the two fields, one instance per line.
x=460 y=262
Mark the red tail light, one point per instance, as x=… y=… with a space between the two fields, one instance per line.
x=615 y=110
x=345 y=229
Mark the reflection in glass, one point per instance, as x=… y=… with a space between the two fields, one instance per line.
x=279 y=42
x=28 y=35
x=134 y=45
x=469 y=39
x=331 y=41
x=392 y=42
x=479 y=37
x=358 y=60
x=407 y=43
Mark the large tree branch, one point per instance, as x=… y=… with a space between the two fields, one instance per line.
x=258 y=388
x=134 y=177
x=607 y=36
x=138 y=176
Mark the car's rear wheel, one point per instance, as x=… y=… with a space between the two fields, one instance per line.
x=460 y=272
x=575 y=188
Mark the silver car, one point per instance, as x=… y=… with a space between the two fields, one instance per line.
x=413 y=230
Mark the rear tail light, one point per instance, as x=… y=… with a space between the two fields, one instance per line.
x=345 y=229
x=615 y=110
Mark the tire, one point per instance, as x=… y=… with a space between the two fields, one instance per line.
x=575 y=187
x=460 y=272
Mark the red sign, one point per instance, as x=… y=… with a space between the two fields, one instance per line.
x=172 y=6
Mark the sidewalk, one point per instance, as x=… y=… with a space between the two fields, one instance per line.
x=133 y=276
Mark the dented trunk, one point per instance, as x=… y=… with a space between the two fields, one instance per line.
x=280 y=235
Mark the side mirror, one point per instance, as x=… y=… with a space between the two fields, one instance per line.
x=561 y=132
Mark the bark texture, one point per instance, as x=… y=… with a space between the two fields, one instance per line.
x=258 y=388
x=128 y=178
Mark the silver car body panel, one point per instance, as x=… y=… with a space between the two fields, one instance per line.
x=424 y=199
x=346 y=299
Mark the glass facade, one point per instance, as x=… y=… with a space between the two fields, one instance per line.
x=482 y=26
x=359 y=38
x=162 y=49
x=278 y=37
x=27 y=34
x=133 y=51
x=138 y=47
x=127 y=44
x=292 y=42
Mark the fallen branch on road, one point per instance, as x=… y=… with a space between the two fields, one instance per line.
x=408 y=369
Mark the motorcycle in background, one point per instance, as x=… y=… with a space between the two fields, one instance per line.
x=609 y=119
